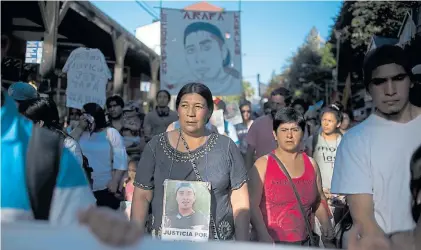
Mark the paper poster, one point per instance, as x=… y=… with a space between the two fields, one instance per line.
x=203 y=47
x=87 y=77
x=186 y=213
x=217 y=120
x=233 y=114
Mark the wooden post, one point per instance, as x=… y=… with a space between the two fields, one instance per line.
x=50 y=18
x=154 y=62
x=120 y=49
x=126 y=88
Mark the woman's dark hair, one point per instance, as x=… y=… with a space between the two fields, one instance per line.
x=213 y=30
x=302 y=103
x=97 y=113
x=288 y=115
x=245 y=104
x=41 y=109
x=196 y=88
x=334 y=109
x=163 y=91
x=115 y=98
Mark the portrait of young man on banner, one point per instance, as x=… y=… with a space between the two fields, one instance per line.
x=201 y=47
x=186 y=214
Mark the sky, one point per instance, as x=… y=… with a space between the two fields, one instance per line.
x=271 y=31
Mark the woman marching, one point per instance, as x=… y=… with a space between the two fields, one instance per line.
x=286 y=188
x=194 y=153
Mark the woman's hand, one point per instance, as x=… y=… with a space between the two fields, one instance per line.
x=327 y=232
x=367 y=243
x=111 y=227
x=327 y=193
x=83 y=123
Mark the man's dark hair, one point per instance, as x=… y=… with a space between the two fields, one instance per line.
x=41 y=109
x=244 y=104
x=385 y=54
x=300 y=102
x=163 y=91
x=115 y=98
x=283 y=92
x=288 y=115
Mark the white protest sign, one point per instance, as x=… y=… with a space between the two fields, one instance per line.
x=87 y=77
x=217 y=120
x=43 y=236
x=200 y=46
x=233 y=114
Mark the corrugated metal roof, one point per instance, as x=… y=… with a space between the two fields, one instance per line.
x=203 y=6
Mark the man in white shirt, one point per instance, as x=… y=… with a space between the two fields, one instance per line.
x=371 y=165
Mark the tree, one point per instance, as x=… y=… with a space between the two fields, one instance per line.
x=276 y=81
x=248 y=90
x=358 y=21
x=310 y=67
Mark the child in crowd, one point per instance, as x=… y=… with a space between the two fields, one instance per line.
x=126 y=205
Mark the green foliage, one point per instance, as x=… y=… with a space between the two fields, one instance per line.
x=328 y=59
x=311 y=65
x=358 y=21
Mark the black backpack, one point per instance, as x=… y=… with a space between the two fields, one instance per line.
x=42 y=168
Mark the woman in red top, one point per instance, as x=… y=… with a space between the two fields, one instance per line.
x=275 y=212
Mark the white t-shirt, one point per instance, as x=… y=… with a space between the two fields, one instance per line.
x=97 y=148
x=87 y=77
x=373 y=158
x=325 y=154
x=230 y=130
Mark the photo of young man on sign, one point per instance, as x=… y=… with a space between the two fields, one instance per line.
x=186 y=211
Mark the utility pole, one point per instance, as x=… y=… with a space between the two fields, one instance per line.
x=258 y=85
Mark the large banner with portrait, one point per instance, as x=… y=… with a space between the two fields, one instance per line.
x=201 y=47
x=186 y=212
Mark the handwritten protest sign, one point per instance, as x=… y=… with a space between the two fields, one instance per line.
x=233 y=114
x=87 y=77
x=186 y=211
x=217 y=120
x=43 y=236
